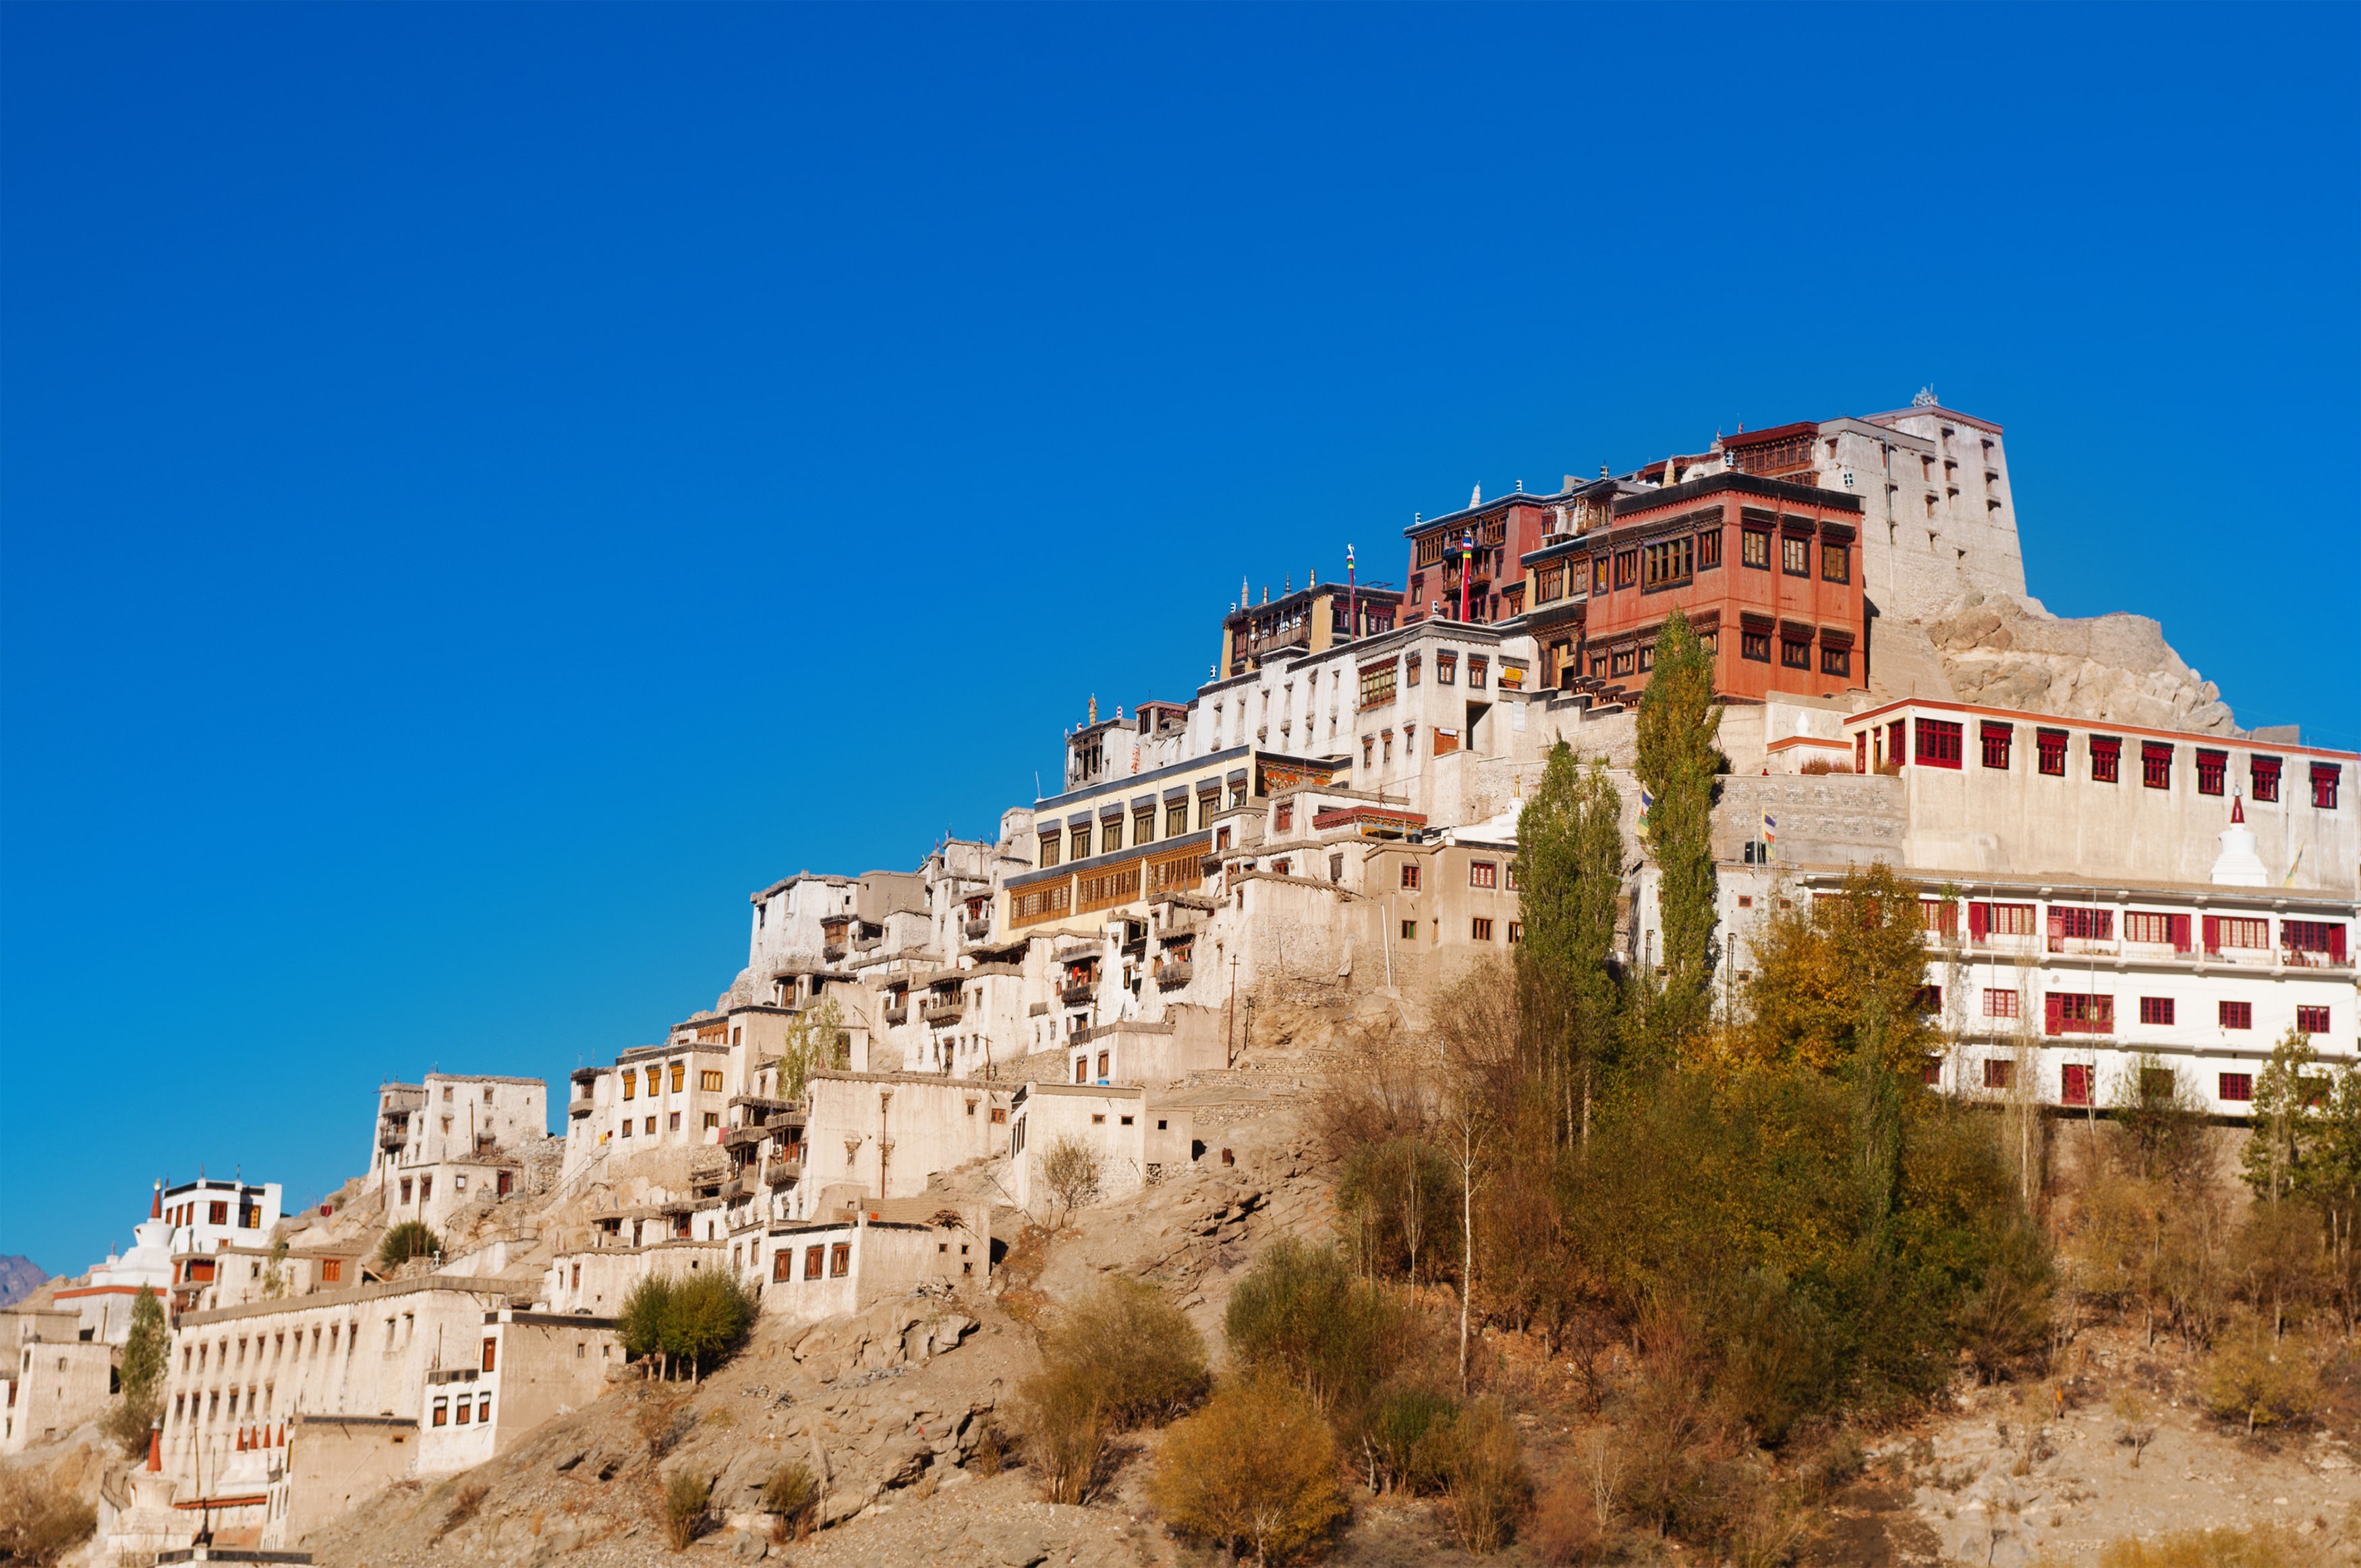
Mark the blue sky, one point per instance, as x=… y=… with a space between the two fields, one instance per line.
x=482 y=490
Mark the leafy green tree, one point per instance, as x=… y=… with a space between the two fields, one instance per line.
x=1569 y=870
x=815 y=1042
x=1678 y=763
x=146 y=1354
x=1300 y=1314
x=2285 y=1124
x=2334 y=1185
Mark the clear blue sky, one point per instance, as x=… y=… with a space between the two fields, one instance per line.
x=483 y=489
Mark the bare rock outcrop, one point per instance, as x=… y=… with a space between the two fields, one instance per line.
x=2008 y=652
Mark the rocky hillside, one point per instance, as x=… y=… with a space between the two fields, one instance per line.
x=19 y=1277
x=2008 y=652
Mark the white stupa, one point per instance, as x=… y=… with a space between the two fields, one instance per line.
x=105 y=1298
x=2238 y=865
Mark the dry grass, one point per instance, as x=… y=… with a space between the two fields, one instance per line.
x=38 y=1522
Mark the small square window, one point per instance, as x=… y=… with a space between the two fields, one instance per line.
x=2312 y=1020
x=1126 y=1121
x=2237 y=1015
x=1481 y=930
x=1409 y=930
x=1999 y=1072
x=2156 y=1010
x=2237 y=1086
x=1098 y=1118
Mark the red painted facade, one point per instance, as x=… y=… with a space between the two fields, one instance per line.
x=1505 y=531
x=1768 y=571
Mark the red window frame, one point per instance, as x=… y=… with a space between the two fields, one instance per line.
x=2237 y=1016
x=2156 y=1010
x=2323 y=936
x=1997 y=737
x=1928 y=1000
x=2074 y=1084
x=1999 y=1072
x=2326 y=777
x=2079 y=1013
x=1936 y=743
x=2213 y=771
x=2000 y=1003
x=2049 y=746
x=2079 y=922
x=2312 y=1020
x=2237 y=1086
x=2156 y=764
x=2263 y=777
x=2106 y=759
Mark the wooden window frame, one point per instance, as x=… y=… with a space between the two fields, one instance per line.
x=2050 y=752
x=2235 y=1087
x=2213 y=772
x=2156 y=1011
x=2312 y=1020
x=1754 y=645
x=1996 y=739
x=1796 y=653
x=1795 y=555
x=2106 y=759
x=2263 y=777
x=1754 y=548
x=1479 y=929
x=1484 y=873
x=1836 y=661
x=2235 y=1015
x=1937 y=742
x=1708 y=550
x=2327 y=779
x=2156 y=764
x=1836 y=562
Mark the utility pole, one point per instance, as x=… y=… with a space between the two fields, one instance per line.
x=1229 y=1018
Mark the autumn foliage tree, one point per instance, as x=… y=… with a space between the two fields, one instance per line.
x=1832 y=972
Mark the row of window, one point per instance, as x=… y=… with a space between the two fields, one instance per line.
x=477 y=1407
x=2086 y=1012
x=2064 y=922
x=2075 y=1081
x=1479 y=929
x=671 y=1123
x=1377 y=681
x=249 y=1216
x=1076 y=843
x=708 y=1081
x=1669 y=562
x=1938 y=743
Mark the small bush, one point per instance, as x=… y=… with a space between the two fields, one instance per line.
x=990 y=1454
x=40 y=1523
x=1564 y=1528
x=412 y=1238
x=1254 y=1471
x=2264 y=1546
x=1397 y=1423
x=1073 y=1173
x=1063 y=1411
x=1821 y=767
x=127 y=1420
x=1150 y=1355
x=1483 y=1470
x=1301 y=1315
x=2263 y=1384
x=792 y=1496
x=660 y=1420
x=686 y=1498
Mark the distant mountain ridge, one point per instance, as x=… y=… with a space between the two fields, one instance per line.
x=19 y=1277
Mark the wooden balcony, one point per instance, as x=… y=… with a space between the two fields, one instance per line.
x=1173 y=975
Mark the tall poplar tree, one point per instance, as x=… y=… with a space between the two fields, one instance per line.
x=1678 y=763
x=1569 y=869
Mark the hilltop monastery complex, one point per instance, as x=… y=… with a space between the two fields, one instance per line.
x=2115 y=874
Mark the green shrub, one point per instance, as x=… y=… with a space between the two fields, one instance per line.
x=1254 y=1471
x=1398 y=1422
x=685 y=1498
x=1301 y=1315
x=695 y=1320
x=412 y=1238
